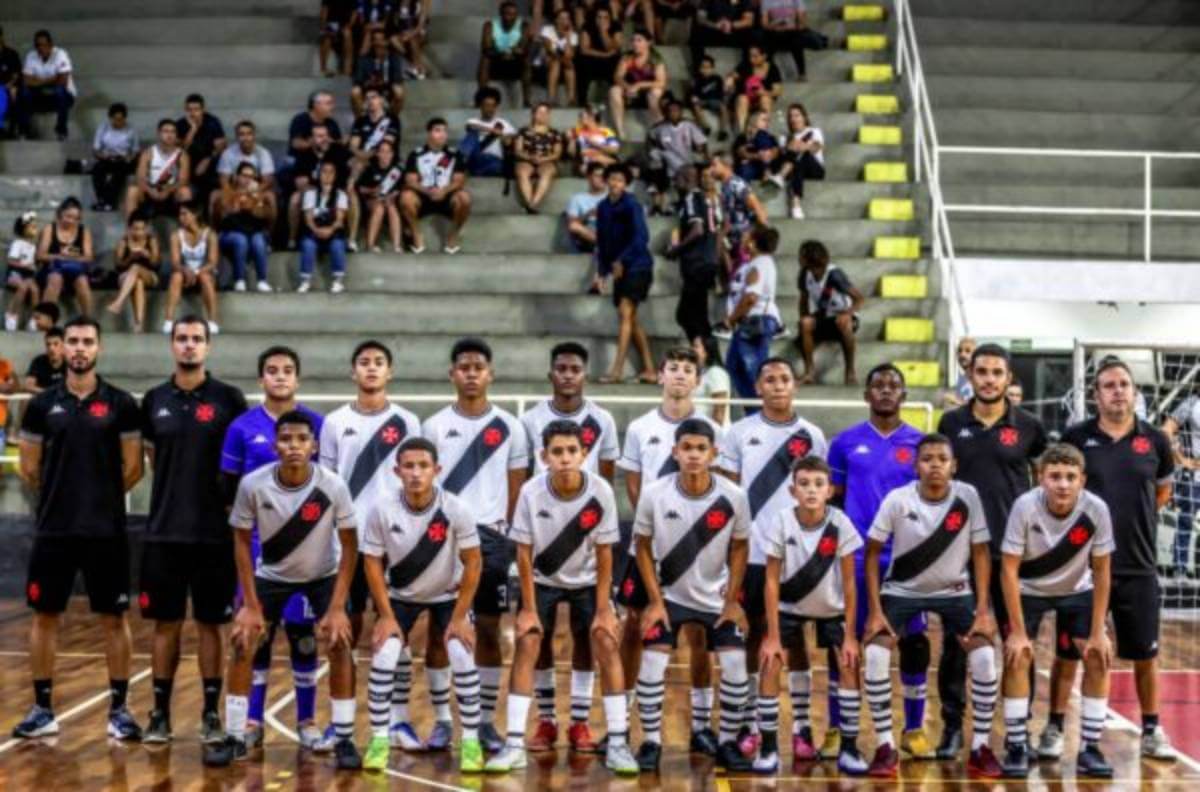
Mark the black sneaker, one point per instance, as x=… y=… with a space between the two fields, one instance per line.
x=704 y=742
x=951 y=744
x=346 y=755
x=731 y=759
x=158 y=730
x=1091 y=763
x=224 y=753
x=648 y=757
x=1016 y=760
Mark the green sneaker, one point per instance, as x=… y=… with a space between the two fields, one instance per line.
x=470 y=758
x=377 y=754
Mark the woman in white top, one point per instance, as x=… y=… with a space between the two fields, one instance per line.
x=714 y=384
x=21 y=276
x=324 y=208
x=559 y=43
x=194 y=255
x=754 y=313
x=804 y=152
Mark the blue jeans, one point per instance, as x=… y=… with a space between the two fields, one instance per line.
x=478 y=163
x=310 y=247
x=1186 y=490
x=45 y=98
x=745 y=356
x=237 y=245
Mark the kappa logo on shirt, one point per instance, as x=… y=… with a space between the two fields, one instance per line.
x=672 y=515
x=862 y=449
x=913 y=516
x=543 y=514
x=791 y=542
x=122 y=599
x=753 y=441
x=57 y=409
x=259 y=439
x=652 y=441
x=396 y=529
x=1091 y=442
x=163 y=412
x=267 y=506
x=964 y=432
x=1037 y=529
x=349 y=432
x=452 y=433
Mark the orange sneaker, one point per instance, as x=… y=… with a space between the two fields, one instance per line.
x=581 y=739
x=544 y=737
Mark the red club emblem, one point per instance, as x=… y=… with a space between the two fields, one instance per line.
x=715 y=520
x=205 y=413
x=1078 y=535
x=627 y=587
x=143 y=600
x=1064 y=641
x=1009 y=436
x=98 y=409
x=588 y=519
x=904 y=455
x=390 y=435
x=826 y=546
x=310 y=512
x=954 y=521
x=35 y=592
x=437 y=531
x=588 y=436
x=492 y=437
x=797 y=447
x=1141 y=445
x=654 y=633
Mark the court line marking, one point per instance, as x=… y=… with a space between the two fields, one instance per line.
x=78 y=708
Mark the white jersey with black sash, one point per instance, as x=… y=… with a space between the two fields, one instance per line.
x=421 y=547
x=649 y=441
x=297 y=526
x=1056 y=552
x=690 y=537
x=931 y=542
x=564 y=533
x=476 y=452
x=810 y=575
x=598 y=431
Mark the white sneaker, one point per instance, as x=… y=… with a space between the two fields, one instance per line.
x=1156 y=745
x=167 y=325
x=31 y=326
x=509 y=759
x=352 y=245
x=304 y=286
x=337 y=287
x=239 y=285
x=11 y=321
x=263 y=287
x=1051 y=743
x=404 y=737
x=797 y=211
x=213 y=327
x=776 y=179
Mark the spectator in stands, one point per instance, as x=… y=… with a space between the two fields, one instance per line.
x=755 y=85
x=319 y=113
x=370 y=130
x=21 y=276
x=1015 y=393
x=536 y=152
x=195 y=253
x=741 y=210
x=203 y=138
x=559 y=46
x=379 y=188
x=672 y=143
x=325 y=207
x=504 y=49
x=410 y=29
x=435 y=183
x=829 y=306
x=623 y=251
x=115 y=149
x=65 y=251
x=162 y=176
x=380 y=69
x=804 y=156
x=247 y=214
x=600 y=42
x=785 y=29
x=489 y=137
x=8 y=384
x=10 y=86
x=369 y=16
x=757 y=153
x=324 y=148
x=45 y=316
x=720 y=23
x=714 y=384
x=962 y=391
x=592 y=143
x=753 y=313
x=336 y=35
x=666 y=10
x=707 y=95
x=581 y=215
x=247 y=150
x=136 y=257
x=695 y=245
x=639 y=81
x=47 y=369
x=47 y=84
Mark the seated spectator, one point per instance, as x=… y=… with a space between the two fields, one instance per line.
x=115 y=149
x=247 y=151
x=829 y=306
x=757 y=153
x=10 y=87
x=203 y=138
x=45 y=316
x=581 y=215
x=379 y=188
x=136 y=257
x=639 y=81
x=435 y=183
x=666 y=10
x=504 y=50
x=559 y=45
x=49 y=368
x=600 y=43
x=47 y=85
x=720 y=23
x=8 y=385
x=325 y=206
x=369 y=16
x=410 y=30
x=536 y=153
x=592 y=143
x=336 y=35
x=755 y=85
x=324 y=149
x=803 y=154
x=489 y=137
x=21 y=276
x=694 y=243
x=714 y=383
x=300 y=130
x=752 y=312
x=370 y=130
x=381 y=70
x=741 y=210
x=162 y=176
x=785 y=29
x=707 y=95
x=671 y=143
x=247 y=214
x=195 y=253
x=66 y=255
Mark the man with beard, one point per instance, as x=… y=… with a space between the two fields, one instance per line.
x=81 y=451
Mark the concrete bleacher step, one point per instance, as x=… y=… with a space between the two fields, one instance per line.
x=39 y=11
x=1097 y=237
x=214 y=60
x=1073 y=195
x=974 y=170
x=1166 y=96
x=1014 y=61
x=1042 y=128
x=155 y=29
x=467 y=28
x=933 y=31
x=1143 y=12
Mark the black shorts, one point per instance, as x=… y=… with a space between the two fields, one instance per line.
x=430 y=206
x=273 y=596
x=150 y=208
x=632 y=592
x=1135 y=611
x=725 y=635
x=996 y=595
x=360 y=594
x=830 y=632
x=634 y=286
x=14 y=277
x=1072 y=617
x=506 y=69
x=499 y=552
x=582 y=604
x=55 y=560
x=407 y=613
x=752 y=595
x=827 y=329
x=956 y=613
x=170 y=570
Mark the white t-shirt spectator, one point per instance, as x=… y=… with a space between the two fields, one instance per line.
x=496 y=147
x=715 y=380
x=58 y=63
x=582 y=206
x=779 y=11
x=809 y=135
x=111 y=142
x=22 y=254
x=764 y=287
x=233 y=157
x=341 y=203
x=558 y=42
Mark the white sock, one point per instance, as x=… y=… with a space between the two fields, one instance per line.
x=518 y=712
x=984 y=688
x=466 y=687
x=439 y=692
x=878 y=685
x=402 y=687
x=749 y=708
x=800 y=685
x=380 y=683
x=582 y=683
x=489 y=692
x=617 y=718
x=1091 y=719
x=650 y=689
x=734 y=690
x=343 y=718
x=236 y=708
x=702 y=704
x=1016 y=713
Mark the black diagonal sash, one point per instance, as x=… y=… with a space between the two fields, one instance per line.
x=1070 y=544
x=572 y=536
x=421 y=557
x=808 y=576
x=296 y=529
x=477 y=454
x=777 y=469
x=924 y=555
x=377 y=450
x=668 y=467
x=688 y=548
x=590 y=429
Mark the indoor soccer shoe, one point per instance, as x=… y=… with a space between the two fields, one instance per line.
x=403 y=736
x=1016 y=760
x=580 y=738
x=1156 y=745
x=916 y=744
x=544 y=737
x=1091 y=763
x=704 y=742
x=511 y=758
x=254 y=736
x=376 y=758
x=802 y=746
x=122 y=726
x=39 y=722
x=885 y=764
x=470 y=758
x=211 y=731
x=851 y=762
x=982 y=763
x=648 y=757
x=620 y=760
x=225 y=753
x=731 y=759
x=158 y=730
x=327 y=742
x=310 y=736
x=951 y=744
x=767 y=764
x=441 y=737
x=490 y=738
x=1051 y=743
x=831 y=745
x=346 y=755
x=748 y=742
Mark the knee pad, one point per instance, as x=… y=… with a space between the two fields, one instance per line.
x=303 y=641
x=914 y=654
x=386 y=657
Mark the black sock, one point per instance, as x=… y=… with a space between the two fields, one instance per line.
x=1057 y=720
x=1149 y=723
x=212 y=693
x=770 y=742
x=162 y=695
x=118 y=689
x=42 y=689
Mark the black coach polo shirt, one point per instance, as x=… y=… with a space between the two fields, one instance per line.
x=83 y=491
x=186 y=429
x=1125 y=474
x=996 y=460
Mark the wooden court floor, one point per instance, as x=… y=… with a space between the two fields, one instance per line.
x=83 y=758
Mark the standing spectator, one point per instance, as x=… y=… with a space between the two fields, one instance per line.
x=785 y=29
x=10 y=85
x=829 y=306
x=370 y=130
x=707 y=95
x=740 y=209
x=804 y=156
x=755 y=85
x=335 y=35
x=324 y=148
x=115 y=149
x=599 y=50
x=504 y=49
x=592 y=143
x=720 y=23
x=47 y=369
x=410 y=29
x=623 y=251
x=45 y=316
x=715 y=382
x=247 y=151
x=203 y=138
x=195 y=252
x=757 y=151
x=1182 y=428
x=137 y=257
x=639 y=81
x=247 y=213
x=379 y=188
x=962 y=391
x=21 y=276
x=162 y=176
x=325 y=206
x=48 y=85
x=753 y=312
x=379 y=69
x=536 y=152
x=488 y=138
x=694 y=244
x=369 y=16
x=560 y=43
x=673 y=143
x=581 y=215
x=434 y=183
x=65 y=251
x=300 y=129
